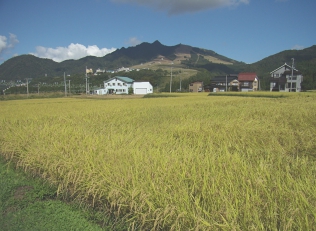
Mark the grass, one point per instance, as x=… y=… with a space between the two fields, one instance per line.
x=161 y=95
x=250 y=94
x=30 y=204
x=31 y=96
x=191 y=162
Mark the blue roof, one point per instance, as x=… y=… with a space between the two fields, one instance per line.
x=122 y=78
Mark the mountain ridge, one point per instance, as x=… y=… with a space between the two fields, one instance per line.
x=159 y=56
x=16 y=67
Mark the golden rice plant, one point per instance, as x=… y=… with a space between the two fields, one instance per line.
x=191 y=162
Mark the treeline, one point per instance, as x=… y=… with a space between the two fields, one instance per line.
x=160 y=79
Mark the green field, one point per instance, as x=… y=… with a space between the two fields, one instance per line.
x=190 y=162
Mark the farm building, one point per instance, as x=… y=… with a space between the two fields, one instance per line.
x=142 y=88
x=100 y=91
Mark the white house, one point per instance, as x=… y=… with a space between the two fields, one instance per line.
x=142 y=88
x=286 y=79
x=117 y=85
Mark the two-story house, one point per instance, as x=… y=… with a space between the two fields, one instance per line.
x=248 y=81
x=285 y=79
x=196 y=87
x=118 y=85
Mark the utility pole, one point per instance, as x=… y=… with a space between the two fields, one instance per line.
x=226 y=82
x=38 y=87
x=88 y=86
x=292 y=73
x=65 y=85
x=86 y=82
x=171 y=80
x=27 y=87
x=69 y=86
x=180 y=83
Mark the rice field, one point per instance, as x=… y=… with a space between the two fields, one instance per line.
x=191 y=162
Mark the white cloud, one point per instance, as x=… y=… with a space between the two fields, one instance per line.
x=73 y=51
x=4 y=45
x=185 y=6
x=133 y=41
x=13 y=40
x=297 y=47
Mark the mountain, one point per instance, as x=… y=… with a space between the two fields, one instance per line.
x=158 y=56
x=29 y=66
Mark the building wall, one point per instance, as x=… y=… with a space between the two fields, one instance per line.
x=196 y=87
x=296 y=83
x=249 y=85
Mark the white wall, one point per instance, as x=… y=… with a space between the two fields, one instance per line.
x=142 y=88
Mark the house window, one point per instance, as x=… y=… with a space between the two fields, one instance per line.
x=109 y=84
x=123 y=90
x=113 y=84
x=246 y=84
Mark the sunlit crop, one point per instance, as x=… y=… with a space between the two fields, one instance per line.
x=191 y=162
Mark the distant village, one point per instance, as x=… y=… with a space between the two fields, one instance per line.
x=283 y=79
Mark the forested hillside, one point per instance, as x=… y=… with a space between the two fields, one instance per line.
x=205 y=63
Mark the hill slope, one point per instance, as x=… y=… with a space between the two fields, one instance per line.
x=158 y=56
x=26 y=66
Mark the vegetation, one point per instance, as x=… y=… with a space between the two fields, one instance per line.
x=28 y=66
x=250 y=94
x=189 y=162
x=27 y=203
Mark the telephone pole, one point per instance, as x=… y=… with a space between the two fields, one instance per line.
x=292 y=73
x=171 y=80
x=69 y=86
x=27 y=87
x=86 y=82
x=65 y=85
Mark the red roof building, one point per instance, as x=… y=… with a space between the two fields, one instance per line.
x=248 y=81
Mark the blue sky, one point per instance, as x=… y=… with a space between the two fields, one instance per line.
x=244 y=30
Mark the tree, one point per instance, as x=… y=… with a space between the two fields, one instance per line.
x=130 y=91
